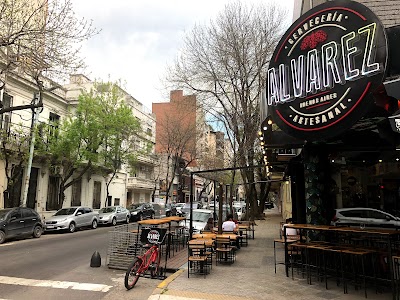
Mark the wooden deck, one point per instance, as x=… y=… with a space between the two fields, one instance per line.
x=176 y=260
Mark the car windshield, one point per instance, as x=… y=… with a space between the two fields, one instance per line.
x=200 y=216
x=135 y=206
x=107 y=210
x=3 y=213
x=65 y=211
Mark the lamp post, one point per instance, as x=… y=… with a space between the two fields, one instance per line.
x=35 y=112
x=181 y=169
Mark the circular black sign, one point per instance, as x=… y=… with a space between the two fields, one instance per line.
x=323 y=71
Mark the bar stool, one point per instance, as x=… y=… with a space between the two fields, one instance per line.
x=281 y=242
x=356 y=256
x=301 y=249
x=396 y=276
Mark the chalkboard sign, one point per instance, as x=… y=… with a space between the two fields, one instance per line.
x=153 y=236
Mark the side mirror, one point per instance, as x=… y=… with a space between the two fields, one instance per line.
x=78 y=213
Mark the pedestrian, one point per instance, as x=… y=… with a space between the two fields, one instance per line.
x=210 y=225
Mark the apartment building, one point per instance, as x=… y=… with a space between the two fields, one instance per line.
x=180 y=120
x=44 y=181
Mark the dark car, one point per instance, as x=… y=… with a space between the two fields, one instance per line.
x=140 y=211
x=170 y=209
x=269 y=205
x=159 y=210
x=19 y=221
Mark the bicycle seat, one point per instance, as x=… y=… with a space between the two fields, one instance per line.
x=147 y=246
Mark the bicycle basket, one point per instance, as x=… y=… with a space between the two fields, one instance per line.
x=153 y=236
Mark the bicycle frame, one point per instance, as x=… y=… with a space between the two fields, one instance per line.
x=152 y=255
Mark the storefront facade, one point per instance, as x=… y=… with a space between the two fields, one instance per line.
x=329 y=91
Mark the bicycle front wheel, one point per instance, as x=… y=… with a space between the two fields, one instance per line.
x=132 y=275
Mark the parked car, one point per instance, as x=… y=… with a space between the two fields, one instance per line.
x=140 y=211
x=365 y=217
x=72 y=218
x=179 y=207
x=240 y=208
x=19 y=221
x=159 y=210
x=186 y=207
x=113 y=215
x=269 y=205
x=171 y=210
x=200 y=218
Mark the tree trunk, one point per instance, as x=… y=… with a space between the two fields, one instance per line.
x=61 y=195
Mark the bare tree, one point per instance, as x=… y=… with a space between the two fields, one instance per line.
x=225 y=64
x=41 y=39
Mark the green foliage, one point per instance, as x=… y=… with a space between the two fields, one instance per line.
x=98 y=135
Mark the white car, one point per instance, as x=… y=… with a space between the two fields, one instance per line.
x=72 y=218
x=240 y=208
x=111 y=215
x=200 y=218
x=365 y=217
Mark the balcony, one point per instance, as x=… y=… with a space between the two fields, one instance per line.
x=146 y=160
x=140 y=183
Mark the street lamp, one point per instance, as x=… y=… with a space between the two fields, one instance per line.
x=181 y=169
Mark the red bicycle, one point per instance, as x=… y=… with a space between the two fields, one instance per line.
x=150 y=260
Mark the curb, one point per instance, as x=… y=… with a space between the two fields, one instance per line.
x=162 y=287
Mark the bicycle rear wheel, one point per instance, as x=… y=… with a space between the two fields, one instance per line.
x=132 y=275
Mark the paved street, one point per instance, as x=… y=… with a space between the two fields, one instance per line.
x=57 y=266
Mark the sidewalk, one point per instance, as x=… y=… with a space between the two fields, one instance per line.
x=252 y=276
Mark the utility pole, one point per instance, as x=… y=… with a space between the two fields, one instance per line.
x=35 y=112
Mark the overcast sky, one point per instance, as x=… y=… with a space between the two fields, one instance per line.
x=139 y=37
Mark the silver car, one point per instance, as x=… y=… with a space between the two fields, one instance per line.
x=71 y=218
x=365 y=217
x=113 y=215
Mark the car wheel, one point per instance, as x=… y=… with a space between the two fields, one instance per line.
x=2 y=236
x=94 y=224
x=37 y=232
x=127 y=220
x=114 y=222
x=71 y=227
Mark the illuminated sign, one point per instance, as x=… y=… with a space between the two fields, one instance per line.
x=323 y=71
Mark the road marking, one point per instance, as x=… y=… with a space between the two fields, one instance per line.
x=94 y=287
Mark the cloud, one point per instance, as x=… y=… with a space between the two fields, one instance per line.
x=139 y=37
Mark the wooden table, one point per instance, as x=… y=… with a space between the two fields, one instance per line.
x=231 y=236
x=201 y=241
x=204 y=236
x=387 y=234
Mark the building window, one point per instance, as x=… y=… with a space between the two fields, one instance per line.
x=5 y=119
x=54 y=121
x=76 y=193
x=116 y=201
